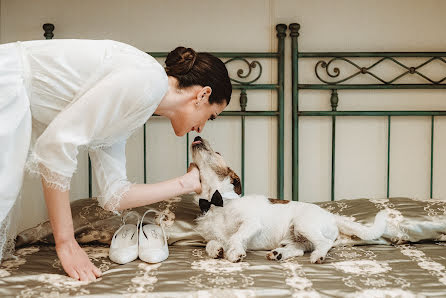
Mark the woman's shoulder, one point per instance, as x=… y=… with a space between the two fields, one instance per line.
x=124 y=48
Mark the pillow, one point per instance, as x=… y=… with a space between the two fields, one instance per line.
x=94 y=224
x=410 y=220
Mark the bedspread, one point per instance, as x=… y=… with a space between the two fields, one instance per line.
x=409 y=270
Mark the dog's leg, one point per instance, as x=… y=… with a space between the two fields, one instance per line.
x=214 y=249
x=286 y=251
x=320 y=243
x=238 y=241
x=319 y=229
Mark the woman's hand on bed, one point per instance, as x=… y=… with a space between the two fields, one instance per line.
x=193 y=178
x=75 y=261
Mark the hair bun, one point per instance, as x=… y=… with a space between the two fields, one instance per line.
x=180 y=61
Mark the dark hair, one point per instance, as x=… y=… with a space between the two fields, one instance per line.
x=192 y=68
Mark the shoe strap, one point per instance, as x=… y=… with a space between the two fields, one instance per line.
x=161 y=222
x=119 y=229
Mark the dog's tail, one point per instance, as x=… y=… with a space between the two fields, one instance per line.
x=351 y=228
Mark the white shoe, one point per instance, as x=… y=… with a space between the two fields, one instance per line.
x=124 y=244
x=153 y=246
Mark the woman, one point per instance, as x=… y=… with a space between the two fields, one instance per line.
x=57 y=96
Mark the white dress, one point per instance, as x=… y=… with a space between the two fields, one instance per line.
x=58 y=95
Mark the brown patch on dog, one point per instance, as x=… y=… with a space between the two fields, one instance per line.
x=222 y=172
x=354 y=237
x=277 y=201
x=235 y=181
x=300 y=238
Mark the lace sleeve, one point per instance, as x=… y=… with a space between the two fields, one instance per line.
x=109 y=167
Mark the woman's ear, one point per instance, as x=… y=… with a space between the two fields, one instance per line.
x=204 y=94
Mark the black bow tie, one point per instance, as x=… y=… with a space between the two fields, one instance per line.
x=216 y=200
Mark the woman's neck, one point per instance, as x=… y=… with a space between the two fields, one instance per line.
x=169 y=103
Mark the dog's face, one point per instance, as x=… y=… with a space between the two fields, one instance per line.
x=214 y=173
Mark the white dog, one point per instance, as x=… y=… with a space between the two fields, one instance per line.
x=231 y=225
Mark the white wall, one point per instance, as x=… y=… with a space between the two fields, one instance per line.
x=346 y=25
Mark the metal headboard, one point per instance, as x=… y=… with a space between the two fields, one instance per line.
x=242 y=83
x=334 y=83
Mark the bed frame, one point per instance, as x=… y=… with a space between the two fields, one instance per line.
x=336 y=82
x=243 y=82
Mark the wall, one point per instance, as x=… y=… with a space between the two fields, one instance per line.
x=232 y=25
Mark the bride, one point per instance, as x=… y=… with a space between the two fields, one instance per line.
x=59 y=95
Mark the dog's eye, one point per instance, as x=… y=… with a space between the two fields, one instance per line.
x=218 y=153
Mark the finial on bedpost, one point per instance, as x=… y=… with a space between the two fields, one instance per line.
x=48 y=28
x=334 y=99
x=294 y=28
x=281 y=30
x=243 y=100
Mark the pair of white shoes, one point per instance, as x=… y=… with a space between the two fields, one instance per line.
x=147 y=241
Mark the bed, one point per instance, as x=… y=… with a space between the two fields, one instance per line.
x=408 y=261
x=403 y=263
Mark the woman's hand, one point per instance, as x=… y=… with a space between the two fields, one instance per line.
x=75 y=261
x=193 y=178
x=73 y=258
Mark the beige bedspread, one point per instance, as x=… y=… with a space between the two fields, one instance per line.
x=415 y=270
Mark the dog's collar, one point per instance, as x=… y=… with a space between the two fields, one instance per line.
x=230 y=195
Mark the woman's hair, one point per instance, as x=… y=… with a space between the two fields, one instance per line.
x=192 y=68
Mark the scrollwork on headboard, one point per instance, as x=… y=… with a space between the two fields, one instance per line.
x=366 y=70
x=250 y=65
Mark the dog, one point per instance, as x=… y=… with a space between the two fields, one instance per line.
x=231 y=224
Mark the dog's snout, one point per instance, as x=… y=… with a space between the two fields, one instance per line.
x=197 y=138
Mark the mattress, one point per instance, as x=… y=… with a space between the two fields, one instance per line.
x=407 y=270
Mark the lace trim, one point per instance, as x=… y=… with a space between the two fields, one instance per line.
x=55 y=180
x=8 y=231
x=112 y=201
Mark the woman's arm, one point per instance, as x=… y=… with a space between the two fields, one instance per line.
x=73 y=258
x=145 y=194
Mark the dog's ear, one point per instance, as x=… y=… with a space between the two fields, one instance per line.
x=235 y=180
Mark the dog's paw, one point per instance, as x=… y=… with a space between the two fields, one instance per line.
x=274 y=255
x=316 y=258
x=214 y=249
x=283 y=253
x=235 y=255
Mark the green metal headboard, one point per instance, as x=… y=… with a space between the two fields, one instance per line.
x=243 y=84
x=334 y=84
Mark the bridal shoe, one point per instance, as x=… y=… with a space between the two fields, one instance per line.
x=124 y=244
x=152 y=244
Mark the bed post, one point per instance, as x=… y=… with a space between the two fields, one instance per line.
x=294 y=28
x=281 y=34
x=48 y=28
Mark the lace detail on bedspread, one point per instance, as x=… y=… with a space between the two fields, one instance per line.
x=53 y=179
x=111 y=199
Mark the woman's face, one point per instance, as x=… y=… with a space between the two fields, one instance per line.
x=194 y=115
